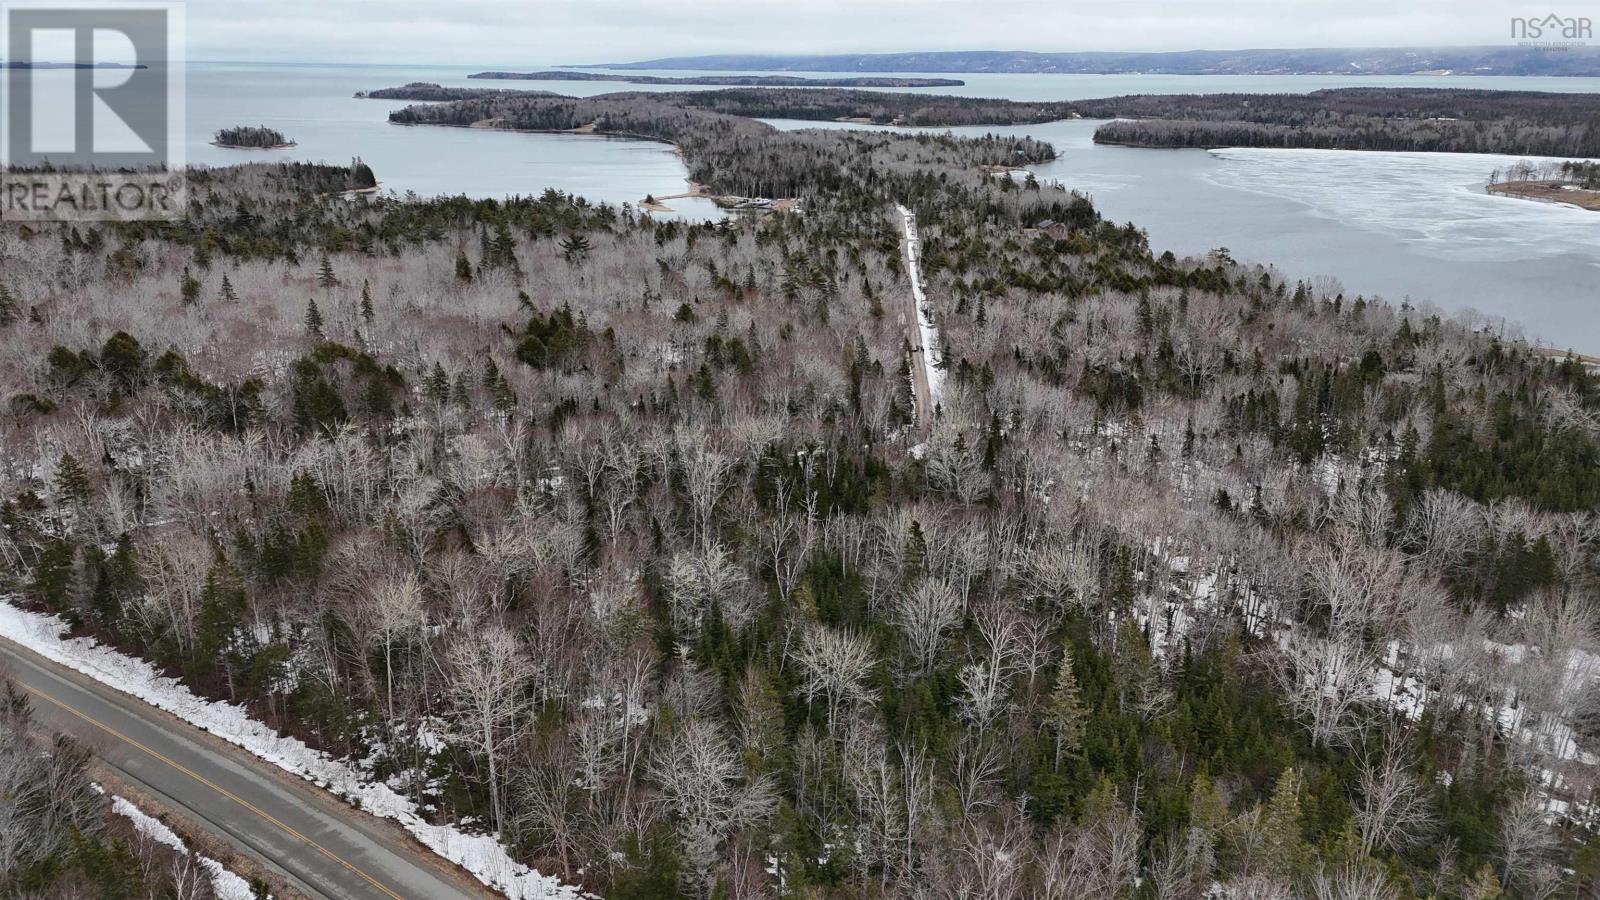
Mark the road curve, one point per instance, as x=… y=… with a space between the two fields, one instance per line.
x=322 y=846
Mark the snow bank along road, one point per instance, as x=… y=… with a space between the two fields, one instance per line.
x=322 y=846
x=920 y=333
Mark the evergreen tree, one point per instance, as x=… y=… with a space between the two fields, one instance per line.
x=1282 y=842
x=222 y=606
x=228 y=296
x=313 y=318
x=438 y=385
x=189 y=288
x=367 y=312
x=1208 y=812
x=361 y=176
x=118 y=581
x=463 y=266
x=72 y=480
x=760 y=718
x=305 y=495
x=1484 y=886
x=575 y=247
x=124 y=360
x=52 y=574
x=1101 y=804
x=1066 y=714
x=325 y=276
x=10 y=309
x=505 y=398
x=503 y=248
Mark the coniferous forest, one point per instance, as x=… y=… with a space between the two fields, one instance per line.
x=1412 y=119
x=626 y=541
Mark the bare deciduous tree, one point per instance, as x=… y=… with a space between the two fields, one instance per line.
x=1393 y=812
x=1327 y=681
x=925 y=614
x=1353 y=881
x=486 y=672
x=707 y=793
x=834 y=666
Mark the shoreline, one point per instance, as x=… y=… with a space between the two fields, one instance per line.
x=696 y=190
x=1550 y=192
x=486 y=125
x=348 y=193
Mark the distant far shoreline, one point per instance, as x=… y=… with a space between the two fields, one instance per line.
x=1534 y=60
x=728 y=80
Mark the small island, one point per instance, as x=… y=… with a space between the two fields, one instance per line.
x=1569 y=183
x=729 y=80
x=251 y=137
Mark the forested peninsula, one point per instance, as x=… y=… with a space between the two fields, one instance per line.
x=812 y=104
x=1415 y=119
x=733 y=154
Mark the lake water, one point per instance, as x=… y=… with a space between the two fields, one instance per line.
x=1412 y=227
x=1398 y=225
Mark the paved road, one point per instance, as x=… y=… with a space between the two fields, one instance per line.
x=921 y=391
x=322 y=846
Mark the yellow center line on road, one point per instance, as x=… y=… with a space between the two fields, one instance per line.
x=215 y=787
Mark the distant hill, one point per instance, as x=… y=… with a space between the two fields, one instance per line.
x=1359 y=61
x=727 y=80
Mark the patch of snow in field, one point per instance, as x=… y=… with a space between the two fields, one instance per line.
x=225 y=884
x=1549 y=735
x=482 y=855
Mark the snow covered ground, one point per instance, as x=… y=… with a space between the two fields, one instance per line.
x=1167 y=615
x=225 y=884
x=925 y=326
x=482 y=855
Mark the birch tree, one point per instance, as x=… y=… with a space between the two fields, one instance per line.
x=486 y=673
x=707 y=794
x=834 y=667
x=1393 y=812
x=925 y=615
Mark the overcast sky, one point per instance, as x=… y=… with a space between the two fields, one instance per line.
x=537 y=32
